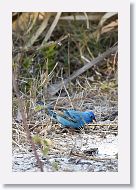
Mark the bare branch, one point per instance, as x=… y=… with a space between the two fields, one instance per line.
x=49 y=33
x=38 y=32
x=53 y=89
x=24 y=119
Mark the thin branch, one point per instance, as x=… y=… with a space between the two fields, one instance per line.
x=82 y=17
x=53 y=89
x=24 y=119
x=67 y=92
x=87 y=20
x=49 y=33
x=38 y=32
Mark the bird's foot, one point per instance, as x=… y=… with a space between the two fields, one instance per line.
x=64 y=130
x=70 y=130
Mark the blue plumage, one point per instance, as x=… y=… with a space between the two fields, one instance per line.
x=72 y=118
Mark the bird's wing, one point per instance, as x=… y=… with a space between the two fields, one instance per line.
x=74 y=115
x=68 y=117
x=54 y=115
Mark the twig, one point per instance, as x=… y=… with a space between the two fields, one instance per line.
x=23 y=149
x=102 y=124
x=100 y=131
x=33 y=22
x=49 y=33
x=21 y=108
x=53 y=89
x=67 y=92
x=51 y=73
x=88 y=157
x=87 y=20
x=81 y=17
x=38 y=32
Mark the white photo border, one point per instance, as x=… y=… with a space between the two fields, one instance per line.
x=123 y=174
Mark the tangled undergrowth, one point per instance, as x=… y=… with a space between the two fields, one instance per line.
x=48 y=53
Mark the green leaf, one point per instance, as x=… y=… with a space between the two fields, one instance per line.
x=55 y=165
x=38 y=108
x=37 y=139
x=45 y=150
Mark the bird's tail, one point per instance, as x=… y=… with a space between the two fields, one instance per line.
x=51 y=113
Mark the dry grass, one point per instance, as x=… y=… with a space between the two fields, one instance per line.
x=49 y=47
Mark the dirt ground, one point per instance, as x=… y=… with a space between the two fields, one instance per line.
x=92 y=149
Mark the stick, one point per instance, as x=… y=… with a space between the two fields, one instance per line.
x=38 y=32
x=53 y=89
x=24 y=119
x=48 y=35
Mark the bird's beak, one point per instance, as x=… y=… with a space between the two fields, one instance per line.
x=94 y=120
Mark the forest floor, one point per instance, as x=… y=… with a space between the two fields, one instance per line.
x=92 y=149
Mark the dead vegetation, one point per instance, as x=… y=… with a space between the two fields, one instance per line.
x=68 y=60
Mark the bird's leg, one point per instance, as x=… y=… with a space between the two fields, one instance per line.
x=64 y=129
x=81 y=129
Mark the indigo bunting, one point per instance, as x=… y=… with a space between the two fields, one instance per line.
x=71 y=118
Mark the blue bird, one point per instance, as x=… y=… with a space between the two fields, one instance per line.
x=71 y=118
